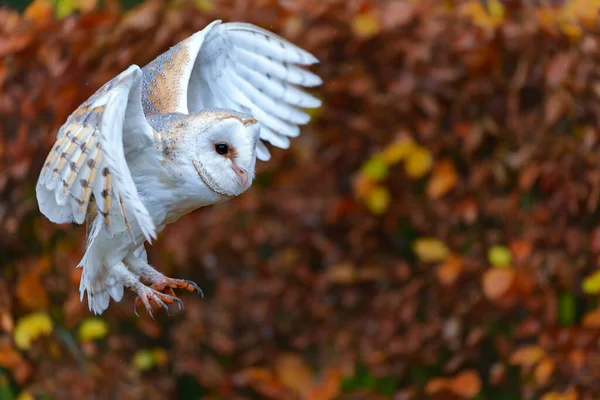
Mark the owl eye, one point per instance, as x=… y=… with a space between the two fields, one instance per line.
x=222 y=148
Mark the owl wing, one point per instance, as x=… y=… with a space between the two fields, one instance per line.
x=88 y=157
x=237 y=66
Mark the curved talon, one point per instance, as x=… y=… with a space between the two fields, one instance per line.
x=135 y=305
x=195 y=286
x=175 y=299
x=161 y=303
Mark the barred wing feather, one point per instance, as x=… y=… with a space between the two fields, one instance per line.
x=88 y=158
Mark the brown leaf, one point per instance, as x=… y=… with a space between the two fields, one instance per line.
x=558 y=69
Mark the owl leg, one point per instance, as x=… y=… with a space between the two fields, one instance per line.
x=146 y=295
x=159 y=282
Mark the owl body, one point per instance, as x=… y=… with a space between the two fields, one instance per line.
x=157 y=143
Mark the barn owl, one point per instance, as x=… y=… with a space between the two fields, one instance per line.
x=156 y=143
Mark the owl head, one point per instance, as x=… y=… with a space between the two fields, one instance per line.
x=221 y=145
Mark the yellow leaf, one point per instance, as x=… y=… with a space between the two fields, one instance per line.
x=92 y=328
x=488 y=18
x=430 y=250
x=365 y=25
x=375 y=168
x=378 y=199
x=418 y=163
x=591 y=284
x=500 y=256
x=30 y=328
x=204 y=5
x=25 y=395
x=527 y=356
x=398 y=151
x=143 y=360
x=569 y=394
x=443 y=179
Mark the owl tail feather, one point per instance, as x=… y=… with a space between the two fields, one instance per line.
x=98 y=280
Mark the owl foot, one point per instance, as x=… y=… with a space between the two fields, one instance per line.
x=164 y=286
x=147 y=295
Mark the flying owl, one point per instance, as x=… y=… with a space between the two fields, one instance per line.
x=156 y=143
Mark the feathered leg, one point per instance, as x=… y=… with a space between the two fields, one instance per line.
x=146 y=295
x=138 y=264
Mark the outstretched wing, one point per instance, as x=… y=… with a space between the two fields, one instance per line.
x=237 y=66
x=88 y=157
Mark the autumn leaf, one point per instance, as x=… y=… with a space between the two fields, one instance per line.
x=143 y=360
x=500 y=256
x=365 y=25
x=449 y=271
x=591 y=284
x=430 y=250
x=466 y=384
x=294 y=373
x=543 y=371
x=570 y=394
x=31 y=327
x=489 y=18
x=592 y=319
x=496 y=282
x=378 y=199
x=398 y=151
x=375 y=168
x=527 y=356
x=418 y=162
x=92 y=328
x=31 y=292
x=443 y=179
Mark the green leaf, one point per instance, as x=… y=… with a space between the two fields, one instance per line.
x=566 y=309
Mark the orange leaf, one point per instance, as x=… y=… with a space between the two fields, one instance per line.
x=31 y=292
x=443 y=179
x=569 y=394
x=520 y=249
x=329 y=389
x=449 y=270
x=294 y=373
x=497 y=282
x=592 y=319
x=10 y=358
x=466 y=384
x=544 y=370
x=527 y=356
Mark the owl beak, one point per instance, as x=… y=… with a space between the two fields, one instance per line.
x=241 y=175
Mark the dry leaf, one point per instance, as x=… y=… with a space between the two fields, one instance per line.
x=448 y=271
x=294 y=373
x=527 y=356
x=496 y=282
x=443 y=179
x=430 y=250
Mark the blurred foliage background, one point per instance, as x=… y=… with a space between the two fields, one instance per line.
x=433 y=233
